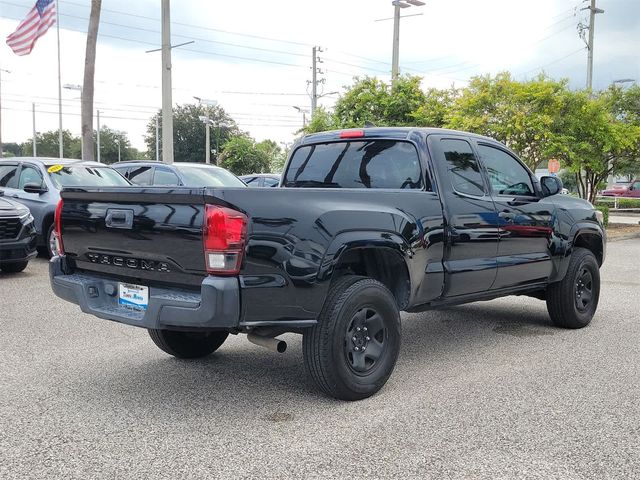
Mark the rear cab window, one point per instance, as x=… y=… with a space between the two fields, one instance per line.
x=375 y=163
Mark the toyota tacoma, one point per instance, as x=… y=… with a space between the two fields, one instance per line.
x=366 y=223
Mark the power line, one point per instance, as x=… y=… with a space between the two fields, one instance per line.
x=189 y=25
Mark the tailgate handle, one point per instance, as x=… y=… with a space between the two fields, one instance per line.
x=119 y=218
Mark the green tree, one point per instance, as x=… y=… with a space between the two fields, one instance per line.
x=109 y=142
x=47 y=145
x=595 y=141
x=189 y=132
x=242 y=156
x=371 y=101
x=525 y=116
x=11 y=150
x=437 y=108
x=276 y=155
x=321 y=121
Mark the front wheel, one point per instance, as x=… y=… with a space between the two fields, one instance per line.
x=187 y=344
x=353 y=349
x=13 y=267
x=572 y=302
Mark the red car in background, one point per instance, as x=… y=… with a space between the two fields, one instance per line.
x=631 y=189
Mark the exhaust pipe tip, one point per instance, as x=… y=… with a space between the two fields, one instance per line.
x=270 y=343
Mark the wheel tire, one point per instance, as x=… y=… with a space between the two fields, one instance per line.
x=187 y=344
x=329 y=347
x=573 y=301
x=14 y=267
x=47 y=250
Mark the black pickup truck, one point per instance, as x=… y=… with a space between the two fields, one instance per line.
x=365 y=224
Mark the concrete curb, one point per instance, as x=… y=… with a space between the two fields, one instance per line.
x=628 y=236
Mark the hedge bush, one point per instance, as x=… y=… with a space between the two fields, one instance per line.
x=629 y=203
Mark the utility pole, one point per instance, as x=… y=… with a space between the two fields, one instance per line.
x=86 y=91
x=593 y=10
x=395 y=58
x=98 y=136
x=167 y=102
x=33 y=113
x=314 y=78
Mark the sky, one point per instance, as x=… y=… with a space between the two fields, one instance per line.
x=254 y=57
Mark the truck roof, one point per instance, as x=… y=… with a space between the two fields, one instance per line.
x=382 y=132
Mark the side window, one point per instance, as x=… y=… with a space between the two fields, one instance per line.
x=165 y=177
x=8 y=176
x=462 y=167
x=636 y=185
x=253 y=181
x=122 y=171
x=271 y=182
x=140 y=175
x=29 y=174
x=506 y=175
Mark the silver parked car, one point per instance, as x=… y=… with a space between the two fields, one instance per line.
x=36 y=183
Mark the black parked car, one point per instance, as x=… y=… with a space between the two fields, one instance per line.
x=256 y=180
x=147 y=173
x=17 y=236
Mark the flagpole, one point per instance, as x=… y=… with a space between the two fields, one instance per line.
x=59 y=84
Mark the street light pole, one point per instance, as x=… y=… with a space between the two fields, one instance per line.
x=208 y=142
x=69 y=86
x=395 y=59
x=158 y=138
x=98 y=135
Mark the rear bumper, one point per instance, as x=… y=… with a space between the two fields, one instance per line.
x=215 y=307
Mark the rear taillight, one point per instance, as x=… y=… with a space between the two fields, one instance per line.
x=57 y=229
x=224 y=238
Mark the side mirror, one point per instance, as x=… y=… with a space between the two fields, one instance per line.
x=550 y=186
x=34 y=188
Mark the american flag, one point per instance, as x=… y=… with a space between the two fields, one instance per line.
x=38 y=21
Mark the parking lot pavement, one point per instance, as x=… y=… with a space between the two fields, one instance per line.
x=488 y=390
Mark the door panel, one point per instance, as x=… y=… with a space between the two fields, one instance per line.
x=472 y=223
x=525 y=220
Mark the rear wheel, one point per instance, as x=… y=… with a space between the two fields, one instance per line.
x=573 y=301
x=353 y=349
x=187 y=344
x=13 y=267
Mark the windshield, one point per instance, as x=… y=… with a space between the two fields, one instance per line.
x=84 y=176
x=208 y=177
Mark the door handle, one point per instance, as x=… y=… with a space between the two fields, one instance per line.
x=119 y=219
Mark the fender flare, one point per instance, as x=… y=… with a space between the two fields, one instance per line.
x=580 y=228
x=354 y=239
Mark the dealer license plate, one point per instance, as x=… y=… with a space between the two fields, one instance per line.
x=133 y=296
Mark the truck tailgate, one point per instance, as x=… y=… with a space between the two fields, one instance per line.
x=149 y=235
